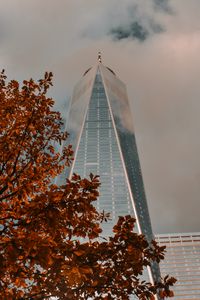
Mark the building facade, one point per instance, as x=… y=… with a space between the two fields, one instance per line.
x=103 y=137
x=182 y=260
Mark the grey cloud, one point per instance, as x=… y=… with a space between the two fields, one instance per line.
x=134 y=20
x=156 y=27
x=134 y=31
x=140 y=23
x=137 y=31
x=163 y=5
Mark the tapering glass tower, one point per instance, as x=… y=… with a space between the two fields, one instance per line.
x=102 y=135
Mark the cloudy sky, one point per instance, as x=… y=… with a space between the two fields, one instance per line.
x=154 y=47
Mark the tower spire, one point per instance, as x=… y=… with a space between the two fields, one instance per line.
x=99 y=56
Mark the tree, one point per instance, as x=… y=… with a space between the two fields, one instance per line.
x=41 y=224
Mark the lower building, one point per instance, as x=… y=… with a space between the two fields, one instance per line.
x=182 y=261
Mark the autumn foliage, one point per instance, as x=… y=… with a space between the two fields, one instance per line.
x=48 y=233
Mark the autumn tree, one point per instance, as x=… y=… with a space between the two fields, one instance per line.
x=48 y=233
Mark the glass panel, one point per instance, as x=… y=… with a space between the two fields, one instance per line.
x=99 y=153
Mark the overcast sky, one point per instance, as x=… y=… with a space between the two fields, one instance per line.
x=154 y=47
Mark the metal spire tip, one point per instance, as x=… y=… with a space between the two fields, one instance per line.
x=99 y=56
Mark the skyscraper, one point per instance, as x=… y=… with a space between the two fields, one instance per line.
x=182 y=259
x=103 y=137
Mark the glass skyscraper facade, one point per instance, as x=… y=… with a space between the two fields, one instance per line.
x=182 y=260
x=102 y=135
x=103 y=138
